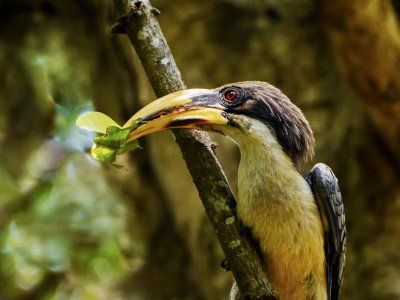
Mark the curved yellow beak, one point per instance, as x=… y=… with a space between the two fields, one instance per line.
x=183 y=109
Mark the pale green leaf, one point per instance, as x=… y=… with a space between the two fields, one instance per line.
x=95 y=121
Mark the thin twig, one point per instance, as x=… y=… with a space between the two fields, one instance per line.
x=138 y=21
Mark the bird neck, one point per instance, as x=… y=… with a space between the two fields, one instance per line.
x=266 y=173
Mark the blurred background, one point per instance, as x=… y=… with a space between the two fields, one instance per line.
x=71 y=228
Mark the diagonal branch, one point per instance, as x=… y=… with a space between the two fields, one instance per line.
x=142 y=28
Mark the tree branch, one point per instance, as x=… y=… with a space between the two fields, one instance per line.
x=142 y=28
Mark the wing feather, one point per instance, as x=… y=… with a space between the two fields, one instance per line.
x=329 y=200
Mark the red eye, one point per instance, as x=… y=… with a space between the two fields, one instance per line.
x=231 y=95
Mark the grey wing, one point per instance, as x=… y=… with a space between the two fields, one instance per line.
x=326 y=191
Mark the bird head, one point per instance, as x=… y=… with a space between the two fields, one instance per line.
x=242 y=111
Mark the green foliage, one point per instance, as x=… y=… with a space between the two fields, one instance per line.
x=113 y=142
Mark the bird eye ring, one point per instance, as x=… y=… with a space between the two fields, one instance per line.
x=232 y=96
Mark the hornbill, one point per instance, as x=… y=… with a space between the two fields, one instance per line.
x=298 y=220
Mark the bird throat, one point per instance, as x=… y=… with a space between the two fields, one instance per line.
x=277 y=204
x=266 y=174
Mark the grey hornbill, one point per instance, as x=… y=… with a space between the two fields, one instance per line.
x=298 y=220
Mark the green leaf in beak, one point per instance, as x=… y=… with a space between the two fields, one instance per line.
x=106 y=147
x=95 y=121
